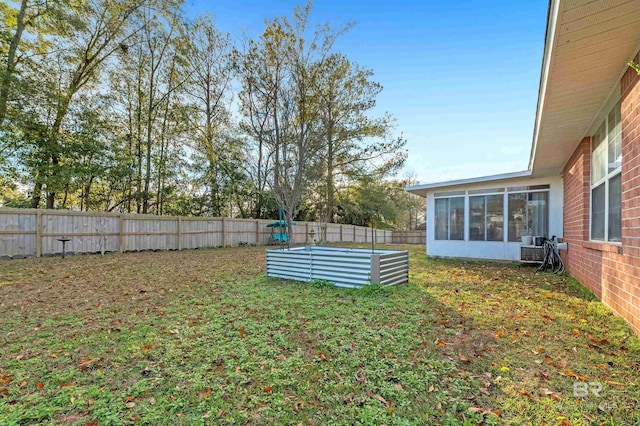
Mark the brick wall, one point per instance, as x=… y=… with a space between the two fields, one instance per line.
x=610 y=271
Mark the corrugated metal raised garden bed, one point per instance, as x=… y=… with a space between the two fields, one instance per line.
x=345 y=267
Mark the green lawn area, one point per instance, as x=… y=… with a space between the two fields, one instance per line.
x=204 y=337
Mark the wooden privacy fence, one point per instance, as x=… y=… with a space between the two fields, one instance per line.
x=35 y=232
x=409 y=237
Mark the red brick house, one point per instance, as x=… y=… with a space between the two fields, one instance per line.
x=583 y=180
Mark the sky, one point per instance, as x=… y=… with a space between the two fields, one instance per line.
x=461 y=78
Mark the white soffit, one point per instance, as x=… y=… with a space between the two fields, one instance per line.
x=589 y=43
x=422 y=189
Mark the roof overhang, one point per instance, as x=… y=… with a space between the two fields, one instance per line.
x=422 y=190
x=587 y=48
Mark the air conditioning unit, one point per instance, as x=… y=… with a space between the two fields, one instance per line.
x=531 y=254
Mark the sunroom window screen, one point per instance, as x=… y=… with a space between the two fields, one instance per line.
x=528 y=215
x=449 y=218
x=486 y=218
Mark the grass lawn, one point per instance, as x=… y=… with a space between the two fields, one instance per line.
x=204 y=337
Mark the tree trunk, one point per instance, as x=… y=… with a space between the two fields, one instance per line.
x=329 y=180
x=37 y=194
x=11 y=60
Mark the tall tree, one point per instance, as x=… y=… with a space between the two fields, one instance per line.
x=100 y=29
x=355 y=145
x=285 y=65
x=209 y=90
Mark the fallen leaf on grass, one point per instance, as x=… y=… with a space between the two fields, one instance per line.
x=464 y=358
x=4 y=390
x=612 y=383
x=86 y=363
x=298 y=405
x=596 y=340
x=543 y=375
x=553 y=395
x=146 y=348
x=243 y=332
x=381 y=399
x=398 y=387
x=203 y=395
x=484 y=411
x=5 y=379
x=572 y=374
x=152 y=400
x=525 y=394
x=40 y=385
x=129 y=398
x=268 y=389
x=131 y=404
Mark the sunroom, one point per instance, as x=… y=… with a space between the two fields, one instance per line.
x=487 y=218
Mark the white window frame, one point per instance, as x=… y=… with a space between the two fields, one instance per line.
x=485 y=194
x=605 y=179
x=448 y=198
x=526 y=220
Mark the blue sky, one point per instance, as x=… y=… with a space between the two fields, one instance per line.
x=461 y=78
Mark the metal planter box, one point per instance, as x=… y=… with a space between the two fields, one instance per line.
x=345 y=267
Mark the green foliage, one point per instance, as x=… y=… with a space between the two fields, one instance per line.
x=374 y=290
x=321 y=284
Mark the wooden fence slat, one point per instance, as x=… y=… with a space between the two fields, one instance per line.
x=38 y=233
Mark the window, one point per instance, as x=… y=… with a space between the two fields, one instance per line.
x=486 y=218
x=449 y=218
x=606 y=181
x=528 y=214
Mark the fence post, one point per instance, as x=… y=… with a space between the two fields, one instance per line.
x=121 y=232
x=38 y=233
x=257 y=231
x=354 y=233
x=341 y=233
x=306 y=232
x=179 y=233
x=224 y=232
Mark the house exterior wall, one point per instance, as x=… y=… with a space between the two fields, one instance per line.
x=610 y=270
x=498 y=250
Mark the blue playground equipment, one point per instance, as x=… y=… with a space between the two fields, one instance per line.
x=282 y=236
